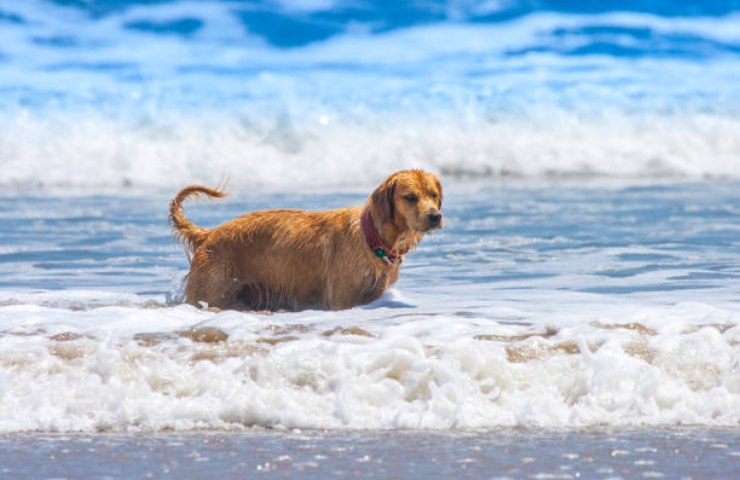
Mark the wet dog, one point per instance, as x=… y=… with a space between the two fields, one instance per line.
x=297 y=259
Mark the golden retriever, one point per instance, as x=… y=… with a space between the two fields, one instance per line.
x=297 y=259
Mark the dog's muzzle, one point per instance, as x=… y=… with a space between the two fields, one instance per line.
x=434 y=220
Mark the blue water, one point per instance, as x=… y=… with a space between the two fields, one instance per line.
x=124 y=52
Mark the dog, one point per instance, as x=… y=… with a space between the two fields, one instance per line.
x=277 y=260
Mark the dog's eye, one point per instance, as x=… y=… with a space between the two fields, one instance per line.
x=410 y=198
x=433 y=195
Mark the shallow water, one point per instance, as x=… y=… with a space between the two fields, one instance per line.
x=548 y=304
x=499 y=454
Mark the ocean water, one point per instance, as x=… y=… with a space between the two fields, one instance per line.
x=583 y=294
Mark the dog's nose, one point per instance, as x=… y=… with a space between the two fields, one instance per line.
x=435 y=218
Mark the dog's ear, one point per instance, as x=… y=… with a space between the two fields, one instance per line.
x=439 y=189
x=382 y=199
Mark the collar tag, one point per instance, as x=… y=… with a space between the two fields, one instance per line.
x=381 y=254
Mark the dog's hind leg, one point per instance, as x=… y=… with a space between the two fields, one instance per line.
x=260 y=297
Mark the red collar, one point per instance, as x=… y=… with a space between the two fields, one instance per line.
x=373 y=240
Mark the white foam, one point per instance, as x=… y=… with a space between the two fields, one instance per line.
x=70 y=299
x=95 y=152
x=399 y=368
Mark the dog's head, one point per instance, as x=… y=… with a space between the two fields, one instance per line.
x=410 y=199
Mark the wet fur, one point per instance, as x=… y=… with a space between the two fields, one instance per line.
x=297 y=259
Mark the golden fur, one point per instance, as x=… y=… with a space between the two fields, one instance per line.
x=297 y=259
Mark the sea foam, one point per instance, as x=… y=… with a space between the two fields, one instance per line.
x=151 y=369
x=277 y=153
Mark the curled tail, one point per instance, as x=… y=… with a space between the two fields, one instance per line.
x=191 y=234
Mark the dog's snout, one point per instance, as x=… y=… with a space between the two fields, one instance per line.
x=435 y=218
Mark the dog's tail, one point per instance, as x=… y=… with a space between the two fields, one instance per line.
x=191 y=234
